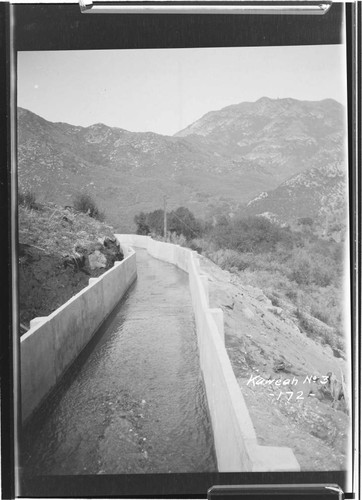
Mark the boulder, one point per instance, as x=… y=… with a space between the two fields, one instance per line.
x=97 y=260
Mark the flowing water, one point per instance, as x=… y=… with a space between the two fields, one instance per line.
x=134 y=402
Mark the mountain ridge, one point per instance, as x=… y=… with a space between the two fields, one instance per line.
x=241 y=155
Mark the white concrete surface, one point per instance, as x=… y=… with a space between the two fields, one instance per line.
x=54 y=342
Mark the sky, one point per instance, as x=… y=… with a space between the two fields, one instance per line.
x=165 y=90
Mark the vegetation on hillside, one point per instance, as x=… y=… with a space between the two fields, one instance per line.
x=59 y=250
x=83 y=202
x=296 y=268
x=179 y=221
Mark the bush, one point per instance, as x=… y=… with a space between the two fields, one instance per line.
x=141 y=222
x=308 y=268
x=83 y=202
x=305 y=221
x=27 y=199
x=320 y=314
x=251 y=234
x=195 y=245
x=274 y=298
x=334 y=341
x=301 y=271
x=176 y=239
x=326 y=335
x=291 y=295
x=305 y=324
x=340 y=341
x=229 y=259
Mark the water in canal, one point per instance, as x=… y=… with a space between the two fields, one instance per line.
x=135 y=402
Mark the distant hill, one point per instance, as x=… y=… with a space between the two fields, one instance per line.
x=319 y=193
x=219 y=163
x=126 y=172
x=275 y=137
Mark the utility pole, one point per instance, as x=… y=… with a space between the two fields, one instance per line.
x=164 y=216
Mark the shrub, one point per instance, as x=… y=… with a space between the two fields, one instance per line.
x=141 y=222
x=27 y=199
x=229 y=259
x=301 y=271
x=308 y=268
x=334 y=341
x=305 y=221
x=196 y=245
x=320 y=314
x=304 y=323
x=325 y=335
x=340 y=342
x=83 y=202
x=177 y=239
x=292 y=295
x=250 y=234
x=101 y=216
x=275 y=299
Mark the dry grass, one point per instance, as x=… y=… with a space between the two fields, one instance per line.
x=56 y=230
x=230 y=260
x=305 y=278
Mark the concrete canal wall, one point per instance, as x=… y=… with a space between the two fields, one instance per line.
x=235 y=440
x=55 y=341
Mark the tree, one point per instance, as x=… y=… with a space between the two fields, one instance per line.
x=179 y=221
x=141 y=222
x=183 y=221
x=155 y=221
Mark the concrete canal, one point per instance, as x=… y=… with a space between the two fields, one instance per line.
x=134 y=402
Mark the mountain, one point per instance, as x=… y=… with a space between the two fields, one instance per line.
x=319 y=193
x=273 y=137
x=126 y=172
x=217 y=164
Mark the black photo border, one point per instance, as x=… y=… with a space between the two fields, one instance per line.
x=63 y=27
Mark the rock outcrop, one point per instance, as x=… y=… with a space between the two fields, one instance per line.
x=59 y=250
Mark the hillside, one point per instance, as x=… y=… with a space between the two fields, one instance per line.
x=126 y=172
x=319 y=193
x=264 y=342
x=215 y=165
x=275 y=137
x=59 y=250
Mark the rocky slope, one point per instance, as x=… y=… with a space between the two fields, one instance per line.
x=125 y=172
x=59 y=250
x=276 y=137
x=220 y=162
x=264 y=344
x=319 y=193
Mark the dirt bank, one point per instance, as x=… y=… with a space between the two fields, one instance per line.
x=275 y=363
x=59 y=250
